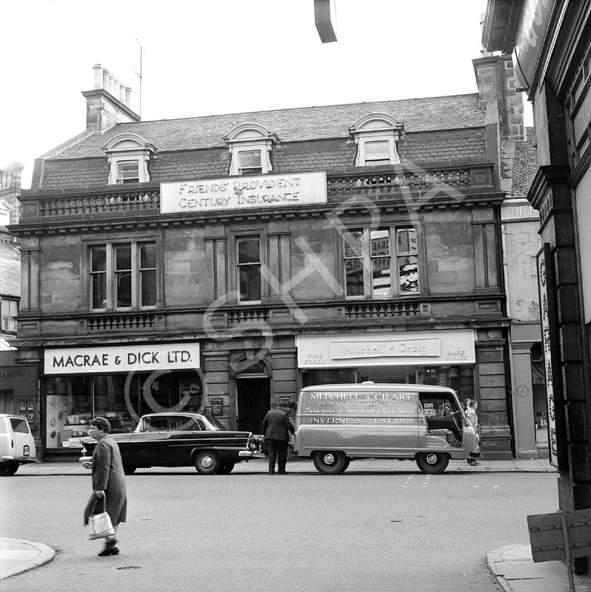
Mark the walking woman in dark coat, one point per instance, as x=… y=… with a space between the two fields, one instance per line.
x=108 y=479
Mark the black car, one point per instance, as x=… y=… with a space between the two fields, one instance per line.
x=181 y=440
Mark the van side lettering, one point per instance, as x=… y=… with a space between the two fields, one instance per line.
x=335 y=420
x=392 y=421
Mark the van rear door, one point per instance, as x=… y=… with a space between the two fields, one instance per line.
x=24 y=445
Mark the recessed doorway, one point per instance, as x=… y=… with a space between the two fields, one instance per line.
x=254 y=398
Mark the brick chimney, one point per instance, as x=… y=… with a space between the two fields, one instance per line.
x=108 y=103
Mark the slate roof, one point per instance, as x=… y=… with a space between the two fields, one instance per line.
x=525 y=164
x=290 y=125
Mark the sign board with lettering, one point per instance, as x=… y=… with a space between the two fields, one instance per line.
x=217 y=406
x=535 y=17
x=243 y=193
x=384 y=349
x=122 y=358
x=549 y=342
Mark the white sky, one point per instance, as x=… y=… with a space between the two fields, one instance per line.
x=205 y=57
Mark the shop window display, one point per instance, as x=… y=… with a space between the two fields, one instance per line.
x=73 y=401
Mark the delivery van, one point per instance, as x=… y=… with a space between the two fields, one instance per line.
x=338 y=423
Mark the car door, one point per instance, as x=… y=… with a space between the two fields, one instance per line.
x=148 y=447
x=182 y=439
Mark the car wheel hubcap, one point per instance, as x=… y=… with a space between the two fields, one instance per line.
x=206 y=462
x=329 y=459
x=432 y=459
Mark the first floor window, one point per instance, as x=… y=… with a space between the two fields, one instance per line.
x=249 y=269
x=8 y=312
x=381 y=262
x=123 y=275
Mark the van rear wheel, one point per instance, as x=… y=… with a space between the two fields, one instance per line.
x=432 y=462
x=330 y=463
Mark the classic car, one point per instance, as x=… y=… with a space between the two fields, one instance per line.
x=180 y=440
x=17 y=445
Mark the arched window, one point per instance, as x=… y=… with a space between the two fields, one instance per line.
x=128 y=156
x=377 y=136
x=250 y=146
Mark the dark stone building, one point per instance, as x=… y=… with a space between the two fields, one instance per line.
x=550 y=44
x=220 y=263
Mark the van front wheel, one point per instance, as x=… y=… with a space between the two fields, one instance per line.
x=330 y=463
x=432 y=462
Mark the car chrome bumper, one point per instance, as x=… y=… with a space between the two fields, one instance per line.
x=20 y=459
x=85 y=459
x=245 y=454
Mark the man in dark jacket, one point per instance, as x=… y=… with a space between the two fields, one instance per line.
x=276 y=428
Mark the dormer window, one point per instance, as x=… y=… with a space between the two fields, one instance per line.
x=377 y=136
x=250 y=146
x=128 y=156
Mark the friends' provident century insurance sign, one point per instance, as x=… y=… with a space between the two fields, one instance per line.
x=242 y=193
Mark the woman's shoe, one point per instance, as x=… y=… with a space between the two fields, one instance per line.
x=110 y=549
x=106 y=552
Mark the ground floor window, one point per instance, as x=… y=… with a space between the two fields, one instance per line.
x=459 y=378
x=72 y=401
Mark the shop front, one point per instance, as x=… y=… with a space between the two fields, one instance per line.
x=445 y=358
x=120 y=382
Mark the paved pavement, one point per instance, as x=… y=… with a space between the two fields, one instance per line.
x=512 y=565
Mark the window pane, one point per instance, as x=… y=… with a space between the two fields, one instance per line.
x=148 y=255
x=250 y=159
x=380 y=262
x=354 y=277
x=148 y=287
x=250 y=282
x=406 y=241
x=99 y=291
x=408 y=272
x=380 y=242
x=379 y=149
x=123 y=257
x=128 y=171
x=98 y=258
x=353 y=244
x=249 y=251
x=381 y=276
x=123 y=289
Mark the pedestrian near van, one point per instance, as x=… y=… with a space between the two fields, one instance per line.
x=276 y=428
x=472 y=416
x=108 y=481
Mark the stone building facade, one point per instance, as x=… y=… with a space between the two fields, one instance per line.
x=221 y=263
x=550 y=43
